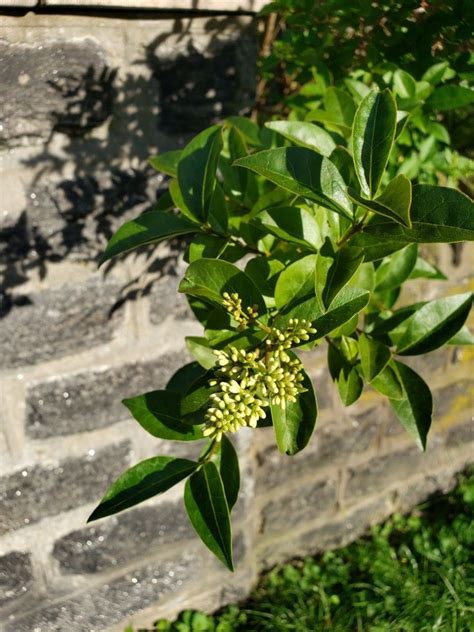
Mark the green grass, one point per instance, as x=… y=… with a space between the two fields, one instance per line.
x=413 y=574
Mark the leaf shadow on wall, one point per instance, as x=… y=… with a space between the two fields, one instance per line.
x=91 y=172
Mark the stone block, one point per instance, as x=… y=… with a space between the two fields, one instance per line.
x=334 y=533
x=33 y=493
x=92 y=399
x=382 y=472
x=64 y=86
x=297 y=506
x=103 y=605
x=332 y=444
x=123 y=538
x=423 y=488
x=16 y=576
x=452 y=398
x=165 y=300
x=60 y=321
x=461 y=435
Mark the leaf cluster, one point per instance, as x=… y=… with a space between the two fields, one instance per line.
x=293 y=226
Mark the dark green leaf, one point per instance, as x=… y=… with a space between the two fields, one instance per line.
x=415 y=410
x=373 y=133
x=349 y=302
x=345 y=376
x=210 y=278
x=294 y=425
x=158 y=412
x=334 y=272
x=394 y=202
x=184 y=377
x=194 y=402
x=148 y=228
x=396 y=269
x=228 y=464
x=303 y=172
x=374 y=356
x=291 y=224
x=148 y=478
x=433 y=324
x=438 y=215
x=197 y=170
x=206 y=504
x=167 y=162
x=305 y=134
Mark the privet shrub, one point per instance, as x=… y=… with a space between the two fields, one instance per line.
x=423 y=150
x=325 y=241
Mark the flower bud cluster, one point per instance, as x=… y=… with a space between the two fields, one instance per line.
x=233 y=304
x=247 y=382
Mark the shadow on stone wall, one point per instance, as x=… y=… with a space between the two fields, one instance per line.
x=95 y=126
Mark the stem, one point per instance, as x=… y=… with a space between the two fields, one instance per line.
x=207 y=456
x=353 y=230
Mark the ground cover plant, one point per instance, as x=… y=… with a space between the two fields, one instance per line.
x=324 y=237
x=412 y=574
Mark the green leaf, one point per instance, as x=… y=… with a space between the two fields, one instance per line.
x=296 y=282
x=305 y=134
x=373 y=133
x=205 y=246
x=374 y=356
x=450 y=97
x=425 y=270
x=415 y=410
x=264 y=272
x=249 y=130
x=345 y=375
x=228 y=464
x=404 y=84
x=396 y=269
x=291 y=224
x=197 y=170
x=394 y=202
x=294 y=425
x=436 y=73
x=167 y=162
x=302 y=172
x=438 y=215
x=148 y=228
x=340 y=105
x=184 y=377
x=349 y=302
x=463 y=337
x=334 y=272
x=388 y=383
x=148 y=478
x=210 y=278
x=206 y=504
x=195 y=400
x=200 y=348
x=159 y=413
x=434 y=324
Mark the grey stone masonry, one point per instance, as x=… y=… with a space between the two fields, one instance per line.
x=86 y=98
x=34 y=493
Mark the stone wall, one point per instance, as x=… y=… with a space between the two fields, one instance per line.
x=84 y=101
